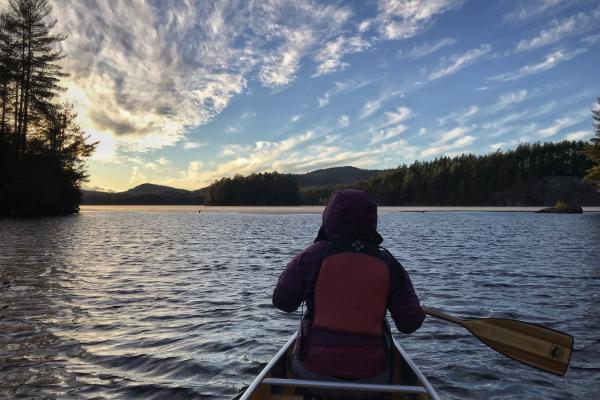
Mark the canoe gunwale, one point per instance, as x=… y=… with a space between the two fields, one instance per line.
x=365 y=387
x=258 y=380
x=261 y=379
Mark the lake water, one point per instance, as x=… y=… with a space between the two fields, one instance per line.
x=167 y=303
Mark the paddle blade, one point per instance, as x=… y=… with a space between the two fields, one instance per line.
x=534 y=345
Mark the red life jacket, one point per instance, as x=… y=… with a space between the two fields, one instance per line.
x=352 y=289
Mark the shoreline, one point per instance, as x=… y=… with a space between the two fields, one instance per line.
x=299 y=209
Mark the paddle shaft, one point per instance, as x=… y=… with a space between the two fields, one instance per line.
x=443 y=316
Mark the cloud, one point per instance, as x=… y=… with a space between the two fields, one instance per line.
x=532 y=9
x=551 y=61
x=558 y=30
x=591 y=39
x=450 y=142
x=330 y=57
x=508 y=99
x=280 y=67
x=401 y=19
x=192 y=145
x=428 y=48
x=579 y=135
x=564 y=122
x=456 y=62
x=153 y=70
x=344 y=121
x=339 y=87
x=461 y=116
x=136 y=176
x=163 y=161
x=454 y=133
x=389 y=133
x=233 y=129
x=446 y=147
x=372 y=106
x=248 y=115
x=297 y=117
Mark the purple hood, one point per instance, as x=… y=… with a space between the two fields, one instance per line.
x=350 y=214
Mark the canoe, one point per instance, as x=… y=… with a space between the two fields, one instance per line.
x=277 y=382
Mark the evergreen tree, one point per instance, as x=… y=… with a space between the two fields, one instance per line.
x=42 y=149
x=592 y=150
x=35 y=63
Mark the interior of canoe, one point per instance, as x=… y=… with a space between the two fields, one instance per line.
x=279 y=384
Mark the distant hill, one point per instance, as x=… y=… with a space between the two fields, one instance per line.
x=334 y=176
x=146 y=193
x=149 y=188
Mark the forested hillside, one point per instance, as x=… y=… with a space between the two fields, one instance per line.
x=265 y=189
x=477 y=180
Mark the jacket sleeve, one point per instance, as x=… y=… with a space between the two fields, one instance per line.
x=289 y=291
x=403 y=304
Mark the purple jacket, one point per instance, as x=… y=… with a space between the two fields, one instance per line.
x=351 y=214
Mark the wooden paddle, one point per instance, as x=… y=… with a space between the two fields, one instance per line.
x=534 y=345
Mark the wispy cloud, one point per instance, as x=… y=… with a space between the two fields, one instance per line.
x=427 y=48
x=461 y=116
x=551 y=61
x=163 y=161
x=508 y=99
x=371 y=106
x=392 y=125
x=192 y=145
x=330 y=57
x=579 y=135
x=339 y=87
x=450 y=141
x=558 y=30
x=532 y=9
x=399 y=19
x=297 y=117
x=591 y=39
x=564 y=122
x=344 y=121
x=453 y=64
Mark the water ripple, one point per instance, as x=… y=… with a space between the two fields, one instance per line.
x=170 y=305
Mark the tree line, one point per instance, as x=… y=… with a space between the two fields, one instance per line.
x=592 y=150
x=42 y=149
x=263 y=189
x=476 y=180
x=462 y=180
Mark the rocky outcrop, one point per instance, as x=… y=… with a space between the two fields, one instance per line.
x=562 y=208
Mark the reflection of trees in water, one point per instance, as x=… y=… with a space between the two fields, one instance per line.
x=33 y=303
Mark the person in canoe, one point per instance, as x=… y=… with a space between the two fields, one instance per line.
x=348 y=283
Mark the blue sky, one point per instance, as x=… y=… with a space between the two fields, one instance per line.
x=182 y=93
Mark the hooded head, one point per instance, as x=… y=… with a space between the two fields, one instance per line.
x=350 y=214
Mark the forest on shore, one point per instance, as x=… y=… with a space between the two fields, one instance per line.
x=42 y=149
x=496 y=179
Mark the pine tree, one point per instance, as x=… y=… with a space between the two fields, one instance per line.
x=592 y=150
x=36 y=69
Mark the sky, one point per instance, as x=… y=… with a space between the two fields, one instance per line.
x=182 y=93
